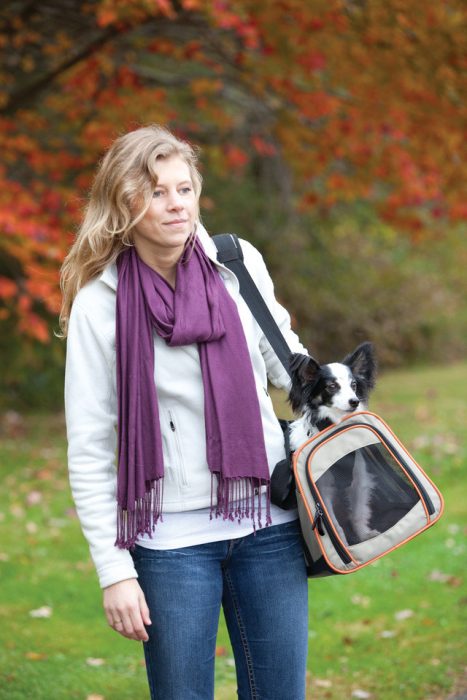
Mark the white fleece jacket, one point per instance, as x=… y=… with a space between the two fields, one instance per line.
x=91 y=407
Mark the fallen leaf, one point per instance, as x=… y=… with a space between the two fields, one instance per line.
x=93 y=696
x=438 y=576
x=95 y=662
x=420 y=442
x=35 y=656
x=17 y=511
x=387 y=634
x=362 y=600
x=84 y=566
x=428 y=622
x=33 y=498
x=44 y=474
x=45 y=611
x=363 y=694
x=221 y=651
x=49 y=453
x=13 y=424
x=57 y=522
x=4 y=556
x=403 y=614
x=422 y=412
x=323 y=683
x=31 y=528
x=455 y=581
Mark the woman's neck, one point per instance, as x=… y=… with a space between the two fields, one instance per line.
x=164 y=262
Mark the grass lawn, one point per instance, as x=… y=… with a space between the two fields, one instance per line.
x=392 y=631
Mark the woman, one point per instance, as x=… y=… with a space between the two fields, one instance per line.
x=161 y=344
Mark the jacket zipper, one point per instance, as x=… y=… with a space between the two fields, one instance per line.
x=178 y=448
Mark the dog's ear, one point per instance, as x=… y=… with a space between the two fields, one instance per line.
x=362 y=363
x=303 y=370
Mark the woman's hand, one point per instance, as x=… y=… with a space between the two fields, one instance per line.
x=126 y=609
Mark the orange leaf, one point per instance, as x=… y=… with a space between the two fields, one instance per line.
x=236 y=158
x=8 y=288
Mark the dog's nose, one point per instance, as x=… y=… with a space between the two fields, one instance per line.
x=353 y=403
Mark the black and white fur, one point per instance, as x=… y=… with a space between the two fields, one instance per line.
x=323 y=395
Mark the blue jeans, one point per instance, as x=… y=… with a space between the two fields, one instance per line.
x=260 y=581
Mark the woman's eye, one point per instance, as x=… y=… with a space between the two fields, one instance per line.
x=157 y=193
x=185 y=190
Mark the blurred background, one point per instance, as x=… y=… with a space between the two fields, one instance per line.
x=331 y=134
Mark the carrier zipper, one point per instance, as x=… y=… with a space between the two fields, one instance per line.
x=322 y=518
x=318 y=520
x=425 y=497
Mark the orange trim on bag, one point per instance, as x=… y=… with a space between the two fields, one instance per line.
x=304 y=500
x=368 y=427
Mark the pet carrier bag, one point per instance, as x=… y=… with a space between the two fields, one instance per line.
x=359 y=492
x=360 y=495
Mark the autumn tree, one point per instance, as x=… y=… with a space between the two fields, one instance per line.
x=323 y=103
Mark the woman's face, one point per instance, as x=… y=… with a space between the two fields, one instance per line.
x=170 y=219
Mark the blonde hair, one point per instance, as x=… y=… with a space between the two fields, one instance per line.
x=124 y=182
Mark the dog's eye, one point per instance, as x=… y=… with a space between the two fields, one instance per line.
x=333 y=386
x=353 y=385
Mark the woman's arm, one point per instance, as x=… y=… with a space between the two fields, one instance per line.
x=91 y=417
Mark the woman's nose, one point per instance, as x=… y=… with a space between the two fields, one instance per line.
x=175 y=201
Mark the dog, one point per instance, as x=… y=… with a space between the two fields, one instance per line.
x=324 y=395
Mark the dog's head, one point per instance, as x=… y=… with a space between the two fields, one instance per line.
x=341 y=387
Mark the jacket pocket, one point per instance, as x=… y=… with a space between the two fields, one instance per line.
x=175 y=447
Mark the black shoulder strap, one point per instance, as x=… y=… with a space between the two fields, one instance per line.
x=230 y=254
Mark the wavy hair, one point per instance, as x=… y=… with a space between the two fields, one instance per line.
x=124 y=183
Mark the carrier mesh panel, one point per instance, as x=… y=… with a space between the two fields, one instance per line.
x=365 y=493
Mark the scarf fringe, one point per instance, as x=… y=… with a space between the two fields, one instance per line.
x=141 y=519
x=239 y=498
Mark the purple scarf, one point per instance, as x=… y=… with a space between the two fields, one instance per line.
x=201 y=311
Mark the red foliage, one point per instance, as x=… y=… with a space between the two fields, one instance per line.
x=362 y=101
